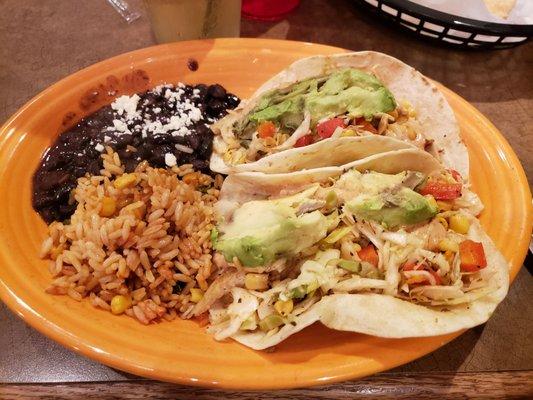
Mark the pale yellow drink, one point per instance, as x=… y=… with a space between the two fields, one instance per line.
x=174 y=20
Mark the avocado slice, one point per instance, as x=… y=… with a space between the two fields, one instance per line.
x=348 y=91
x=403 y=208
x=262 y=231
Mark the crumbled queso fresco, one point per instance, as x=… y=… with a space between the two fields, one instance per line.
x=166 y=126
x=130 y=118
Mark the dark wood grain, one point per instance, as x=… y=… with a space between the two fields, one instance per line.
x=44 y=41
x=441 y=386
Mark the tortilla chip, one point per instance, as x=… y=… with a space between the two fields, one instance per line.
x=500 y=8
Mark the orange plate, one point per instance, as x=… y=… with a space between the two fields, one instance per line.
x=180 y=351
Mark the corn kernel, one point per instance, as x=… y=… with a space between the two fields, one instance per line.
x=119 y=304
x=139 y=212
x=191 y=179
x=443 y=221
x=284 y=307
x=459 y=223
x=348 y=132
x=196 y=295
x=411 y=134
x=449 y=256
x=227 y=156
x=256 y=281
x=448 y=245
x=331 y=199
x=109 y=206
x=124 y=181
x=444 y=205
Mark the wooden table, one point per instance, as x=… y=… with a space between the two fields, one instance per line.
x=42 y=42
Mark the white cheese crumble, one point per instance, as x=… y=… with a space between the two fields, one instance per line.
x=127 y=106
x=120 y=127
x=170 y=159
x=99 y=147
x=186 y=115
x=131 y=116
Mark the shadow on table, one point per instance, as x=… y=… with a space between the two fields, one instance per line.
x=451 y=357
x=485 y=76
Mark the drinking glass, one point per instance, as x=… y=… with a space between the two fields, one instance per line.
x=174 y=20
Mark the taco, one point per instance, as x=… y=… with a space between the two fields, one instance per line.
x=323 y=105
x=382 y=247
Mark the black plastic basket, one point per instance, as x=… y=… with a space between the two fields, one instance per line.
x=450 y=29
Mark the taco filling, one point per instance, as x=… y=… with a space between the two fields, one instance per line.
x=404 y=235
x=346 y=103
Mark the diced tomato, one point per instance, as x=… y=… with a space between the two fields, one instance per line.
x=442 y=190
x=326 y=128
x=472 y=256
x=266 y=129
x=304 y=141
x=369 y=254
x=367 y=126
x=456 y=175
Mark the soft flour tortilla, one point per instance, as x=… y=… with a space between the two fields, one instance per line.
x=247 y=186
x=373 y=314
x=433 y=113
x=390 y=317
x=326 y=153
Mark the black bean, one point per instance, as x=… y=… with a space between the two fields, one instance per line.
x=215 y=107
x=53 y=162
x=193 y=141
x=67 y=209
x=53 y=179
x=137 y=141
x=178 y=287
x=158 y=155
x=123 y=141
x=200 y=165
x=91 y=153
x=94 y=167
x=130 y=164
x=188 y=90
x=47 y=199
x=232 y=101
x=202 y=130
x=125 y=154
x=146 y=151
x=216 y=91
x=162 y=139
